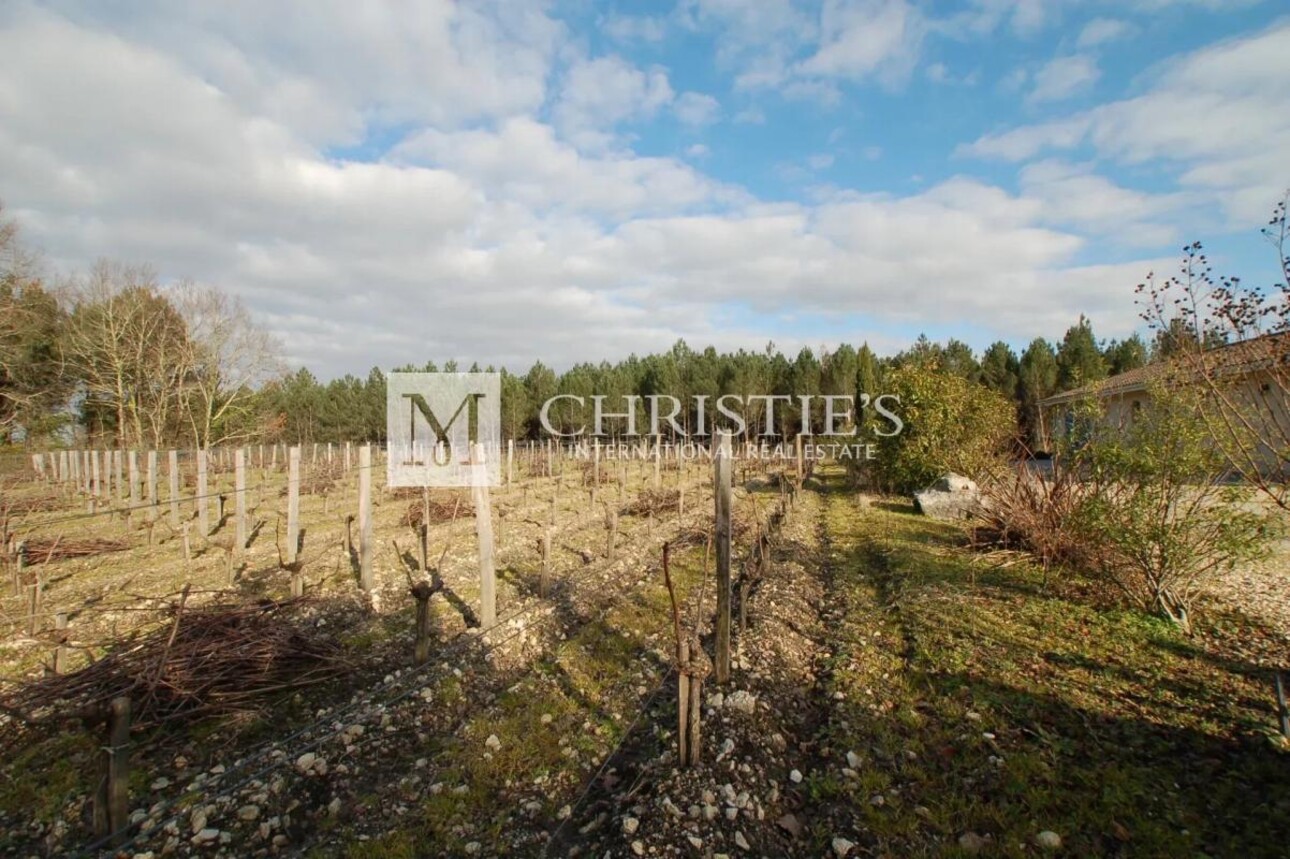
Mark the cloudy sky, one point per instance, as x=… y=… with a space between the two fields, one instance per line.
x=505 y=181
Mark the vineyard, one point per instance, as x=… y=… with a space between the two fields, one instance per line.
x=273 y=698
x=663 y=668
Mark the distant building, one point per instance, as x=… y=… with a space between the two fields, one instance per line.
x=1254 y=376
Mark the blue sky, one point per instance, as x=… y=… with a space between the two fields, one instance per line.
x=504 y=181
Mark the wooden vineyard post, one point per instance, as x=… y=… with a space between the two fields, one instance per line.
x=611 y=525
x=293 y=506
x=152 y=485
x=691 y=668
x=203 y=503
x=595 y=468
x=112 y=800
x=60 y=646
x=798 y=440
x=118 y=459
x=723 y=504
x=347 y=458
x=172 y=479
x=683 y=701
x=424 y=531
x=366 y=580
x=544 y=581
x=484 y=531
x=658 y=480
x=33 y=606
x=510 y=460
x=421 y=592
x=19 y=564
x=239 y=501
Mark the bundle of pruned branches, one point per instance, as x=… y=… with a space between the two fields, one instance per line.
x=208 y=660
x=45 y=550
x=654 y=501
x=24 y=505
x=321 y=478
x=443 y=508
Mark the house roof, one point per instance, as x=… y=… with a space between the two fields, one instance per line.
x=1241 y=357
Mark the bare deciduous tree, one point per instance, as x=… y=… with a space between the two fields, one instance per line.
x=127 y=345
x=227 y=358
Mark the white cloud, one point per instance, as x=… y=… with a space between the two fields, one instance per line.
x=696 y=108
x=1100 y=31
x=697 y=150
x=330 y=69
x=1064 y=77
x=866 y=38
x=488 y=233
x=819 y=161
x=599 y=93
x=1219 y=115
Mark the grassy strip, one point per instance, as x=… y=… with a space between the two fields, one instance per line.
x=979 y=703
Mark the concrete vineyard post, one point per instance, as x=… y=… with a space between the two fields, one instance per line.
x=152 y=483
x=364 y=515
x=202 y=502
x=484 y=531
x=293 y=504
x=172 y=477
x=239 y=500
x=133 y=470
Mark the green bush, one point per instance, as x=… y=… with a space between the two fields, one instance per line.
x=950 y=424
x=1158 y=520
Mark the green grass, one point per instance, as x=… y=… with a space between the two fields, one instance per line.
x=1106 y=726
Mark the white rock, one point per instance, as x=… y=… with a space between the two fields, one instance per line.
x=205 y=836
x=742 y=701
x=248 y=812
x=853 y=760
x=492 y=742
x=630 y=825
x=795 y=777
x=841 y=846
x=1048 y=840
x=306 y=762
x=741 y=842
x=715 y=700
x=638 y=847
x=161 y=783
